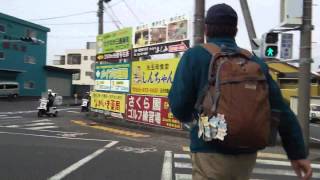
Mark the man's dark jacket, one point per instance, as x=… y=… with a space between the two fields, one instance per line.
x=190 y=79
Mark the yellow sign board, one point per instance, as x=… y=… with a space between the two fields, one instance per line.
x=108 y=101
x=153 y=77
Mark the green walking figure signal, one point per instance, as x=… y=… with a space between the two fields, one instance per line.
x=270 y=52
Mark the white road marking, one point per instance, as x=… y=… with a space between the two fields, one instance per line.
x=314 y=125
x=41 y=127
x=265 y=171
x=167 y=166
x=12 y=126
x=13 y=117
x=315 y=139
x=57 y=137
x=26 y=112
x=182 y=165
x=42 y=120
x=182 y=156
x=3 y=115
x=39 y=124
x=272 y=155
x=183 y=177
x=80 y=163
x=282 y=163
x=76 y=112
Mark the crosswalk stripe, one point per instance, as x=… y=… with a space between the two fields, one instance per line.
x=12 y=117
x=272 y=155
x=74 y=112
x=182 y=156
x=182 y=165
x=282 y=163
x=278 y=172
x=38 y=124
x=42 y=120
x=183 y=177
x=41 y=127
x=12 y=126
x=1 y=115
x=167 y=166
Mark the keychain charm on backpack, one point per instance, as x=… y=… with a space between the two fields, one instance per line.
x=218 y=127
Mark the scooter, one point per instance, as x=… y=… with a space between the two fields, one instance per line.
x=85 y=105
x=42 y=109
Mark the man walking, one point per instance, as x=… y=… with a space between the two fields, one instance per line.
x=212 y=159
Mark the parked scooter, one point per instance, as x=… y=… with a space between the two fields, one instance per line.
x=85 y=105
x=42 y=109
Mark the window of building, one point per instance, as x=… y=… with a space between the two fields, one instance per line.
x=29 y=85
x=89 y=73
x=1 y=86
x=85 y=57
x=76 y=76
x=29 y=60
x=74 y=58
x=1 y=55
x=93 y=58
x=2 y=28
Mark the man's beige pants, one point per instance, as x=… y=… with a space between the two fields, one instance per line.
x=215 y=166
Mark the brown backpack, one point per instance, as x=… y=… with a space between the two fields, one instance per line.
x=237 y=92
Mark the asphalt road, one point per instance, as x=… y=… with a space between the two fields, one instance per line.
x=67 y=148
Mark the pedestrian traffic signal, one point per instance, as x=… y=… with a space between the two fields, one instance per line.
x=270 y=45
x=271 y=51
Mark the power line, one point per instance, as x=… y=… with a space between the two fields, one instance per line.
x=75 y=23
x=113 y=16
x=65 y=16
x=130 y=9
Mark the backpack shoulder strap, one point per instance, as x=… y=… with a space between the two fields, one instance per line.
x=213 y=49
x=245 y=53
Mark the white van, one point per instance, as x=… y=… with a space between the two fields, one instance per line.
x=9 y=89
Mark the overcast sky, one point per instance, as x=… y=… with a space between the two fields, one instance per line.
x=74 y=31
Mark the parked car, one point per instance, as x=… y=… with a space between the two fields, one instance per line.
x=314 y=112
x=9 y=89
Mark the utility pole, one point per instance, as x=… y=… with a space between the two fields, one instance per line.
x=249 y=23
x=100 y=16
x=198 y=37
x=304 y=70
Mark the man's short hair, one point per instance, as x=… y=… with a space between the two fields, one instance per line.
x=221 y=31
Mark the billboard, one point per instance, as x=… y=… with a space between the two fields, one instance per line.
x=150 y=110
x=161 y=32
x=112 y=77
x=108 y=101
x=114 y=57
x=172 y=47
x=153 y=77
x=114 y=41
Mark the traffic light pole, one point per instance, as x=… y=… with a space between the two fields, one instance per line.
x=304 y=71
x=198 y=37
x=249 y=23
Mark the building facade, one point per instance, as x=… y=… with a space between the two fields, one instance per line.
x=82 y=60
x=23 y=52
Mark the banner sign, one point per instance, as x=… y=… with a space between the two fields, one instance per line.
x=112 y=77
x=151 y=110
x=161 y=32
x=108 y=101
x=172 y=47
x=114 y=57
x=114 y=41
x=153 y=77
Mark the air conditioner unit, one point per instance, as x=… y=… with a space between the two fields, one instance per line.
x=291 y=12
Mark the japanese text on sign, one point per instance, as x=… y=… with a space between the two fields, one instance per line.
x=151 y=110
x=108 y=101
x=153 y=77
